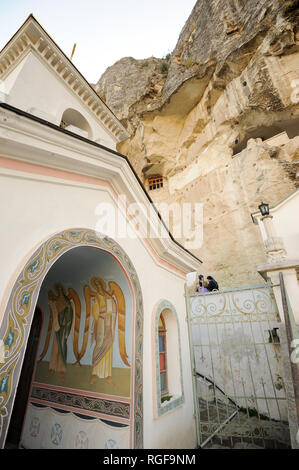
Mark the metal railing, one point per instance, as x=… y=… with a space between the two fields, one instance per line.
x=239 y=392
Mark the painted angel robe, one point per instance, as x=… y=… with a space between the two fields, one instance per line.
x=104 y=319
x=63 y=318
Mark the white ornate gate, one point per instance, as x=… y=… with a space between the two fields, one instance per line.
x=235 y=348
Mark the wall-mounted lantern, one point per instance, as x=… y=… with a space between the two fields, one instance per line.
x=264 y=209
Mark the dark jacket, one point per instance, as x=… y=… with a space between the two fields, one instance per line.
x=213 y=285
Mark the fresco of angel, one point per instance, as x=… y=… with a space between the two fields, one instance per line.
x=63 y=307
x=105 y=306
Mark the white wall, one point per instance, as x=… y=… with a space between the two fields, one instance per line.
x=286 y=224
x=37 y=207
x=34 y=88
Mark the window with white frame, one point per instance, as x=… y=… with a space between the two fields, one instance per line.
x=168 y=364
x=163 y=357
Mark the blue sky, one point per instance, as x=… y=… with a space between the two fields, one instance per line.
x=104 y=30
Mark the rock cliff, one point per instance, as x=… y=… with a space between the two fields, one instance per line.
x=219 y=119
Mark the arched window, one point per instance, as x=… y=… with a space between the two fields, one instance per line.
x=168 y=365
x=75 y=122
x=163 y=357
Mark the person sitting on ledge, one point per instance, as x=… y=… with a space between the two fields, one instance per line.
x=212 y=284
x=202 y=285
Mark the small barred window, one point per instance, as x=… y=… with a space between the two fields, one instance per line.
x=155 y=182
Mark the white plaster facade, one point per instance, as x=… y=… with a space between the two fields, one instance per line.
x=286 y=223
x=52 y=181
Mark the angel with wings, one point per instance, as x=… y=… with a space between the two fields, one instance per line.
x=65 y=310
x=105 y=306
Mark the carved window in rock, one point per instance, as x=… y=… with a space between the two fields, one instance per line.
x=163 y=357
x=155 y=182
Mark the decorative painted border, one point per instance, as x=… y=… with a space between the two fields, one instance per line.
x=19 y=312
x=177 y=401
x=82 y=403
x=86 y=393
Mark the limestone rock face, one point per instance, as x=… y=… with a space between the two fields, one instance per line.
x=131 y=86
x=220 y=123
x=221 y=37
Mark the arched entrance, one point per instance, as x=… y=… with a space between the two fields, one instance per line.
x=76 y=276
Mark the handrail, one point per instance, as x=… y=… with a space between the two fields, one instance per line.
x=203 y=444
x=218 y=388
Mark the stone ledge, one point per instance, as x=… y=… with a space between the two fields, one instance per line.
x=263 y=269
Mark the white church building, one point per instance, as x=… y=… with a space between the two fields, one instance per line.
x=94 y=348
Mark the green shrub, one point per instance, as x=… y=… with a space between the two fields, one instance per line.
x=166 y=398
x=164 y=67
